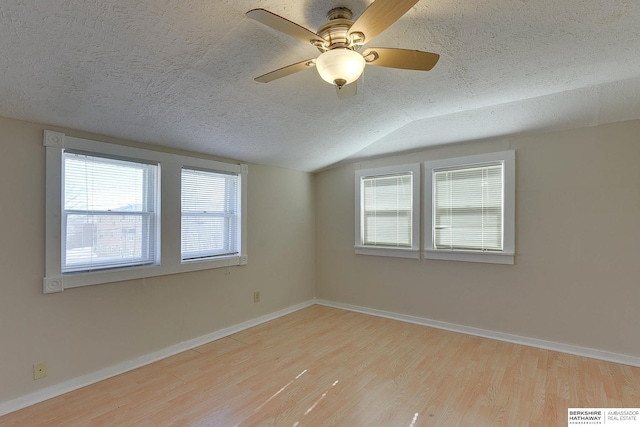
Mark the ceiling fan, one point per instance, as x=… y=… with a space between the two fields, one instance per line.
x=340 y=40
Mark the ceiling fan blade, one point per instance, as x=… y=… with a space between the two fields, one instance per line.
x=400 y=58
x=380 y=15
x=283 y=25
x=347 y=91
x=285 y=71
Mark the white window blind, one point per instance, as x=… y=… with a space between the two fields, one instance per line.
x=209 y=214
x=109 y=212
x=468 y=208
x=387 y=203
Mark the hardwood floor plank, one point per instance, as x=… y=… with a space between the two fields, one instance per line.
x=322 y=366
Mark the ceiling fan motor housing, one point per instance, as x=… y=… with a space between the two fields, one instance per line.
x=334 y=31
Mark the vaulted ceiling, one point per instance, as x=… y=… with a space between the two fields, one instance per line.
x=179 y=73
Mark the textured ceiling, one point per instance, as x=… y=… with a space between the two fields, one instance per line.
x=179 y=73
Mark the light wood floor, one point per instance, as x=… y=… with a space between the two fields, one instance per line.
x=322 y=366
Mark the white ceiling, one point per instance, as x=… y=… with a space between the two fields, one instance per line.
x=179 y=73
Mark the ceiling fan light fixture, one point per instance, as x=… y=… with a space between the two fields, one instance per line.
x=340 y=66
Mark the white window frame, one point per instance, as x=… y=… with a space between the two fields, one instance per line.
x=390 y=251
x=230 y=217
x=506 y=256
x=169 y=249
x=151 y=190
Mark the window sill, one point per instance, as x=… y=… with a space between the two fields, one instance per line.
x=388 y=251
x=470 y=256
x=74 y=280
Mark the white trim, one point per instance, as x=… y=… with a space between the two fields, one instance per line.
x=388 y=251
x=244 y=173
x=508 y=158
x=52 y=285
x=469 y=256
x=53 y=139
x=168 y=250
x=128 y=365
x=53 y=217
x=592 y=353
x=359 y=247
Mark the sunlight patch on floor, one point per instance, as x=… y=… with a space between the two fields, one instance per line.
x=413 y=422
x=312 y=407
x=281 y=390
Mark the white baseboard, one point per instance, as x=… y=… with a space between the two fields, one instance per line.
x=94 y=377
x=516 y=339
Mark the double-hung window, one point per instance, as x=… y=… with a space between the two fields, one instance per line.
x=470 y=208
x=110 y=212
x=388 y=211
x=117 y=213
x=209 y=214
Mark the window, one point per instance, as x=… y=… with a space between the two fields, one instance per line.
x=387 y=211
x=109 y=216
x=209 y=214
x=467 y=211
x=470 y=208
x=114 y=213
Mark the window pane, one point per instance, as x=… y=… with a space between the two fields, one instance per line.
x=386 y=212
x=209 y=214
x=101 y=241
x=94 y=183
x=109 y=215
x=469 y=208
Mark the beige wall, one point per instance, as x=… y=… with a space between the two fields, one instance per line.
x=577 y=274
x=86 y=329
x=576 y=278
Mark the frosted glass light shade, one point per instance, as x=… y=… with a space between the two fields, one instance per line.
x=340 y=66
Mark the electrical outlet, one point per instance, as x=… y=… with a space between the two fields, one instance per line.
x=40 y=370
x=256 y=296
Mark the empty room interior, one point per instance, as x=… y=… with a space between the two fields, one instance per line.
x=346 y=212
